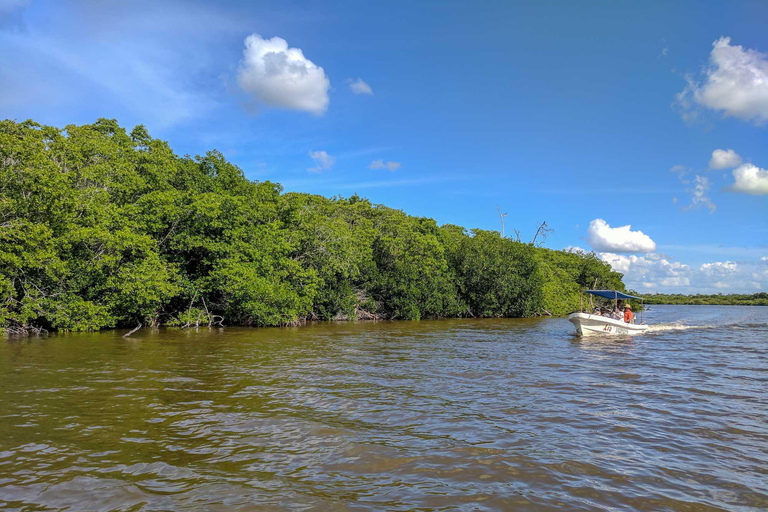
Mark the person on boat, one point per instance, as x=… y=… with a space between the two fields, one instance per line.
x=628 y=315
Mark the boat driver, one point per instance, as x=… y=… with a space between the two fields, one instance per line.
x=628 y=315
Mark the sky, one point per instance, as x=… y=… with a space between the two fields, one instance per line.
x=635 y=130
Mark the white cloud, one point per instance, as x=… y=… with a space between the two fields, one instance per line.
x=719 y=268
x=279 y=76
x=323 y=160
x=359 y=87
x=381 y=164
x=603 y=237
x=575 y=249
x=645 y=267
x=750 y=179
x=700 y=195
x=735 y=83
x=724 y=159
x=658 y=273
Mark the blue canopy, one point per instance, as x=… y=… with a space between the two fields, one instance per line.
x=611 y=294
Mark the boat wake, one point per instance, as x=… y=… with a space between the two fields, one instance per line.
x=678 y=327
x=685 y=327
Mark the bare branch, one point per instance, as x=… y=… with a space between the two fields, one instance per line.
x=126 y=335
x=542 y=232
x=501 y=218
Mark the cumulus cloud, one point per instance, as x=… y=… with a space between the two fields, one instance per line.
x=359 y=87
x=658 y=273
x=279 y=76
x=381 y=164
x=700 y=194
x=719 y=268
x=323 y=160
x=750 y=179
x=735 y=83
x=724 y=159
x=603 y=237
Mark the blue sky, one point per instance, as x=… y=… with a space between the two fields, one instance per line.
x=570 y=114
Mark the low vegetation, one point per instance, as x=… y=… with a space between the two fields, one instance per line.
x=755 y=299
x=102 y=228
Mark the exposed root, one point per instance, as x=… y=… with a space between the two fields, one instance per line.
x=23 y=330
x=365 y=315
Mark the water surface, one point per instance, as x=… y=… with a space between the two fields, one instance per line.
x=433 y=415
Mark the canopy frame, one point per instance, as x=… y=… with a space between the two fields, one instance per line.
x=612 y=294
x=616 y=296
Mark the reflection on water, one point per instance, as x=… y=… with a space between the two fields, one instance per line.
x=436 y=415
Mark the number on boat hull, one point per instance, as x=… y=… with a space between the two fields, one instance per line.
x=619 y=330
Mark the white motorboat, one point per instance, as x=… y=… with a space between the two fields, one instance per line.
x=595 y=325
x=591 y=325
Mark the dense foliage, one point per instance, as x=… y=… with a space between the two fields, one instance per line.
x=102 y=228
x=755 y=299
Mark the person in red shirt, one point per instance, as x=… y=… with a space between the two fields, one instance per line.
x=628 y=315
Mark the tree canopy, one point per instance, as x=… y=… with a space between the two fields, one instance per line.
x=102 y=228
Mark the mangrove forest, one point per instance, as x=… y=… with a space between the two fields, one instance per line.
x=104 y=228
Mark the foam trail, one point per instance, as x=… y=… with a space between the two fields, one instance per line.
x=685 y=327
x=677 y=327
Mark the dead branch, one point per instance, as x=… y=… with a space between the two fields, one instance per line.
x=501 y=218
x=24 y=330
x=207 y=313
x=543 y=231
x=126 y=335
x=365 y=315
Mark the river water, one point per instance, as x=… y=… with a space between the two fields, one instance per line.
x=431 y=415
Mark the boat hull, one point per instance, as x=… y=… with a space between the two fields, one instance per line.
x=596 y=325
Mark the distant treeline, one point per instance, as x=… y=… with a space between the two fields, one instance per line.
x=733 y=299
x=102 y=228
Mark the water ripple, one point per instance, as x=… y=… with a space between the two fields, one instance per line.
x=444 y=415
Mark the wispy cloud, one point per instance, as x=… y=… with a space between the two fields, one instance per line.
x=144 y=63
x=323 y=160
x=359 y=87
x=700 y=194
x=381 y=164
x=338 y=185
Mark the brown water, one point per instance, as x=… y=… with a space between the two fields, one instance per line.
x=433 y=415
